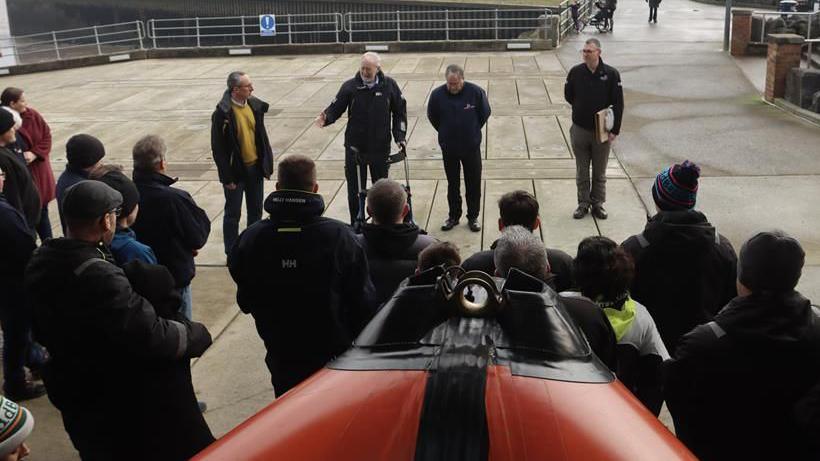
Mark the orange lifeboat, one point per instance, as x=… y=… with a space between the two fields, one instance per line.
x=458 y=366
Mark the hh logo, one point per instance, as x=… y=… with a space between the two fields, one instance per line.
x=469 y=106
x=288 y=264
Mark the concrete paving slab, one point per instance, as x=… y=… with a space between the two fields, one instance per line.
x=232 y=377
x=477 y=64
x=557 y=200
x=544 y=137
x=315 y=140
x=532 y=91
x=506 y=138
x=525 y=65
x=502 y=92
x=416 y=93
x=501 y=64
x=428 y=65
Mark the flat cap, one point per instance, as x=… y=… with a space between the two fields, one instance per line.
x=90 y=199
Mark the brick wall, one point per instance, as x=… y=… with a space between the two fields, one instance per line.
x=741 y=31
x=784 y=54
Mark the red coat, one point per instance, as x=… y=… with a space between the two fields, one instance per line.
x=37 y=135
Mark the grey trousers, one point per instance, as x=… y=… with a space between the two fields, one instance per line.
x=589 y=151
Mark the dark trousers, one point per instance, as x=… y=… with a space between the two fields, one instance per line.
x=379 y=168
x=44 y=228
x=252 y=188
x=653 y=13
x=16 y=326
x=589 y=151
x=471 y=163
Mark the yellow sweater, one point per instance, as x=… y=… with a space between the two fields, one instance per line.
x=245 y=132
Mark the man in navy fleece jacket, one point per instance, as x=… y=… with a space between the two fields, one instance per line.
x=458 y=110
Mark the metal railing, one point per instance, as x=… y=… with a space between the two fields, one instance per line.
x=789 y=18
x=449 y=25
x=522 y=24
x=75 y=43
x=566 y=23
x=229 y=31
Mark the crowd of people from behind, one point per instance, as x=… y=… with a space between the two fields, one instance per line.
x=673 y=311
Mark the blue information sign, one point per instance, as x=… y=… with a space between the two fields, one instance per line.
x=267 y=25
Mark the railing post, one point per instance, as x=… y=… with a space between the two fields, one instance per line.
x=97 y=40
x=496 y=23
x=153 y=32
x=447 y=25
x=198 y=43
x=56 y=45
x=398 y=26
x=242 y=18
x=337 y=24
x=141 y=33
x=808 y=37
x=290 y=32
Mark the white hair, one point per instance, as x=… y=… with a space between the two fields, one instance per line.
x=18 y=121
x=519 y=248
x=372 y=57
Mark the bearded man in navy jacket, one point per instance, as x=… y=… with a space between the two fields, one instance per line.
x=458 y=110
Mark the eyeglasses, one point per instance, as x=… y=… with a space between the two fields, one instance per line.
x=117 y=211
x=588 y=51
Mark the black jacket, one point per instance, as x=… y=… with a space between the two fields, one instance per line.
x=19 y=187
x=685 y=271
x=16 y=244
x=370 y=112
x=596 y=327
x=305 y=280
x=170 y=222
x=459 y=118
x=589 y=92
x=734 y=383
x=225 y=142
x=560 y=266
x=392 y=255
x=104 y=339
x=180 y=430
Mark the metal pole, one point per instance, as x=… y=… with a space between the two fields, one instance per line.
x=337 y=24
x=153 y=31
x=726 y=21
x=141 y=33
x=447 y=25
x=56 y=45
x=97 y=39
x=398 y=26
x=808 y=36
x=243 y=29
x=290 y=32
x=197 y=33
x=496 y=24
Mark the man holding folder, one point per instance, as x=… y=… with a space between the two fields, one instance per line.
x=593 y=89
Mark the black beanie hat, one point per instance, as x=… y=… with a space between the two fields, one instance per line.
x=770 y=261
x=123 y=184
x=83 y=150
x=6 y=121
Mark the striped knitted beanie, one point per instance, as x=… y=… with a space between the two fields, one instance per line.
x=676 y=188
x=16 y=424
